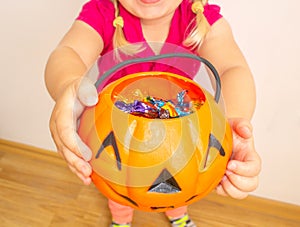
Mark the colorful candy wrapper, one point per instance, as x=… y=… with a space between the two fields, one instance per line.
x=152 y=107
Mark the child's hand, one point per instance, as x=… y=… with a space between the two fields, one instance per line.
x=63 y=125
x=241 y=176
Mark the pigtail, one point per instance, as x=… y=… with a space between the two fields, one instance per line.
x=119 y=41
x=197 y=34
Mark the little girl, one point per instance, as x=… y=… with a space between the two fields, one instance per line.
x=103 y=26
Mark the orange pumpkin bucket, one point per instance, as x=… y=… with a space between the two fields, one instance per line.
x=155 y=163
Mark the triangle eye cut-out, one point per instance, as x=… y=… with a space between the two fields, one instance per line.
x=165 y=184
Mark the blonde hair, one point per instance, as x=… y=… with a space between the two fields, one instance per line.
x=201 y=27
x=193 y=40
x=119 y=41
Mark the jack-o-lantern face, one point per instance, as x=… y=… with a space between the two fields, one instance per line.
x=156 y=164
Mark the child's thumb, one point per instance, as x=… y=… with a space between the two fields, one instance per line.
x=87 y=92
x=242 y=127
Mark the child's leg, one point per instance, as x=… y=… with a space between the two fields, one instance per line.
x=179 y=217
x=120 y=214
x=176 y=213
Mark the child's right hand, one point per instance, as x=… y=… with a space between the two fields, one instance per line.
x=63 y=125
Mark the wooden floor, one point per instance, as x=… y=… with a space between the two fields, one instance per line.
x=37 y=189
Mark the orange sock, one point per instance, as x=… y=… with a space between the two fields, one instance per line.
x=177 y=212
x=120 y=214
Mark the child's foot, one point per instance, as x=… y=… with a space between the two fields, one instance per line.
x=113 y=224
x=183 y=221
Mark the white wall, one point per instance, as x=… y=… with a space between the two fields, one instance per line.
x=29 y=31
x=268 y=34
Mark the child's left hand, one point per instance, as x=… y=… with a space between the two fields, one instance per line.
x=241 y=176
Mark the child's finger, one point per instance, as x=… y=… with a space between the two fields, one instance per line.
x=242 y=127
x=249 y=167
x=66 y=128
x=85 y=179
x=231 y=190
x=72 y=142
x=77 y=164
x=220 y=190
x=246 y=184
x=87 y=92
x=82 y=170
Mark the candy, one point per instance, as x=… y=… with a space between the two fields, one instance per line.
x=152 y=107
x=168 y=106
x=126 y=107
x=180 y=97
x=164 y=114
x=145 y=109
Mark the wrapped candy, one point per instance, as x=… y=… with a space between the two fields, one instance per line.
x=145 y=109
x=152 y=107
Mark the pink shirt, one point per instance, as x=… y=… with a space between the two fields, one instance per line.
x=99 y=14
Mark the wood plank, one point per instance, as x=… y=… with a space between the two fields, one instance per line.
x=38 y=189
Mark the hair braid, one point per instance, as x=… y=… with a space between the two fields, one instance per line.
x=197 y=34
x=119 y=41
